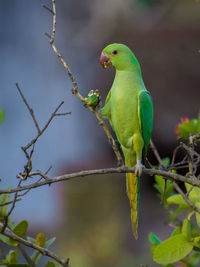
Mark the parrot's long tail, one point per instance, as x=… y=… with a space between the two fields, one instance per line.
x=133 y=187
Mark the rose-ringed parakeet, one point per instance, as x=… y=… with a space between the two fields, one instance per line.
x=129 y=109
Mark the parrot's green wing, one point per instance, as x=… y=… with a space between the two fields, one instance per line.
x=145 y=117
x=105 y=111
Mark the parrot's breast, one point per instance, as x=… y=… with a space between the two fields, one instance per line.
x=124 y=108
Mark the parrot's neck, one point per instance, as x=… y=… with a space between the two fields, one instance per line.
x=130 y=76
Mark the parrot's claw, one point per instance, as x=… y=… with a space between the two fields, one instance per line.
x=138 y=168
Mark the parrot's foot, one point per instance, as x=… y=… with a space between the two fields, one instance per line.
x=138 y=168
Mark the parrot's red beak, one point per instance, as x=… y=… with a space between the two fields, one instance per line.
x=105 y=61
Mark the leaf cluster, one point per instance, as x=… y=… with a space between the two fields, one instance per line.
x=20 y=230
x=183 y=245
x=188 y=127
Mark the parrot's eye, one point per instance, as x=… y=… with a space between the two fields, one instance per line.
x=115 y=52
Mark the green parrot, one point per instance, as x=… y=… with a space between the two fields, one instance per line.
x=129 y=109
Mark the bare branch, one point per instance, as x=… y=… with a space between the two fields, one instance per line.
x=167 y=175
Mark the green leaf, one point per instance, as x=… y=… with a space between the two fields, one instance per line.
x=196 y=241
x=21 y=228
x=1 y=115
x=4 y=198
x=197 y=214
x=172 y=250
x=195 y=232
x=178 y=199
x=11 y=225
x=153 y=247
x=187 y=186
x=194 y=192
x=31 y=239
x=193 y=259
x=11 y=257
x=160 y=183
x=49 y=264
x=166 y=161
x=188 y=127
x=50 y=242
x=175 y=213
x=36 y=256
x=164 y=187
x=8 y=241
x=176 y=231
x=187 y=229
x=40 y=240
x=154 y=239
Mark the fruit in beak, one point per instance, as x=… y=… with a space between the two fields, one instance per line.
x=105 y=61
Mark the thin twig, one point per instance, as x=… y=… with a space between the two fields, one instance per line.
x=10 y=202
x=175 y=153
x=47 y=8
x=155 y=151
x=29 y=108
x=63 y=114
x=190 y=150
x=36 y=173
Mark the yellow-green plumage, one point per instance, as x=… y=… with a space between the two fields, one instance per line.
x=133 y=195
x=129 y=109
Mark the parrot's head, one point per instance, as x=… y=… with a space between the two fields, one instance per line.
x=118 y=56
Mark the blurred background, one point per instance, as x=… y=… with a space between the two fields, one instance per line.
x=91 y=216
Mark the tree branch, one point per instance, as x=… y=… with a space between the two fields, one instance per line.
x=167 y=175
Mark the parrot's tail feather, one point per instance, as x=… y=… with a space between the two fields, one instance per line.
x=133 y=184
